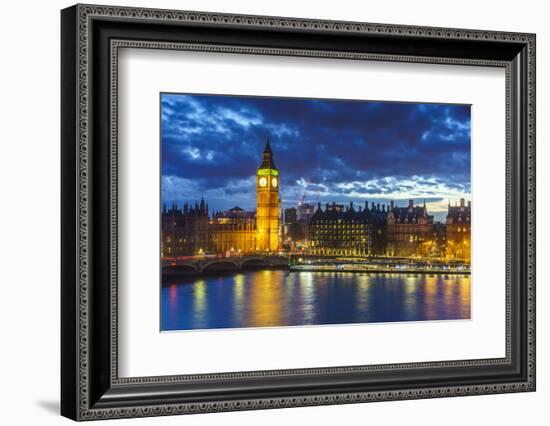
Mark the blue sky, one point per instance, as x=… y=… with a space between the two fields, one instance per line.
x=329 y=150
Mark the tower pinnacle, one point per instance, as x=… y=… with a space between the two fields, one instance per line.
x=267 y=157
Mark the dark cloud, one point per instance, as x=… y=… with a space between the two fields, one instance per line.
x=332 y=149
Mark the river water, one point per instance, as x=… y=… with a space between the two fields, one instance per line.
x=273 y=298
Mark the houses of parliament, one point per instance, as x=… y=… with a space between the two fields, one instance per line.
x=191 y=230
x=331 y=230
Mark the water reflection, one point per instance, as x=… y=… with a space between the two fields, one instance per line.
x=238 y=298
x=362 y=292
x=265 y=301
x=430 y=304
x=307 y=294
x=282 y=298
x=199 y=303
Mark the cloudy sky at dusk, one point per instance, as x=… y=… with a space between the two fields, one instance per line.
x=329 y=150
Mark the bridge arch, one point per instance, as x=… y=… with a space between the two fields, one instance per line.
x=219 y=265
x=180 y=268
x=254 y=262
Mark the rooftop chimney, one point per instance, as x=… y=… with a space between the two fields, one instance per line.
x=411 y=203
x=462 y=202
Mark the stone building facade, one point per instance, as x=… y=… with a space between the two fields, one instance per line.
x=185 y=230
x=459 y=231
x=233 y=231
x=409 y=230
x=340 y=230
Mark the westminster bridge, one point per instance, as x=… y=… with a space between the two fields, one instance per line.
x=221 y=264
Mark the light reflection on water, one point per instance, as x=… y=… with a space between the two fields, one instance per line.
x=281 y=298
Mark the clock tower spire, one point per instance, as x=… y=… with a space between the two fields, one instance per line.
x=267 y=203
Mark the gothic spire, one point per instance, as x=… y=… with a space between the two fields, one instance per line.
x=267 y=149
x=267 y=157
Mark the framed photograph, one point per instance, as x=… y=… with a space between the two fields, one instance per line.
x=263 y=212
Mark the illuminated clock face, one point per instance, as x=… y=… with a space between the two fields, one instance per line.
x=263 y=182
x=274 y=182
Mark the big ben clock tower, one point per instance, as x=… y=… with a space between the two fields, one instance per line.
x=267 y=204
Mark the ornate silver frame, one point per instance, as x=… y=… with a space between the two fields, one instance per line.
x=85 y=396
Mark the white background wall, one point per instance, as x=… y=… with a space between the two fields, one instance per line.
x=29 y=211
